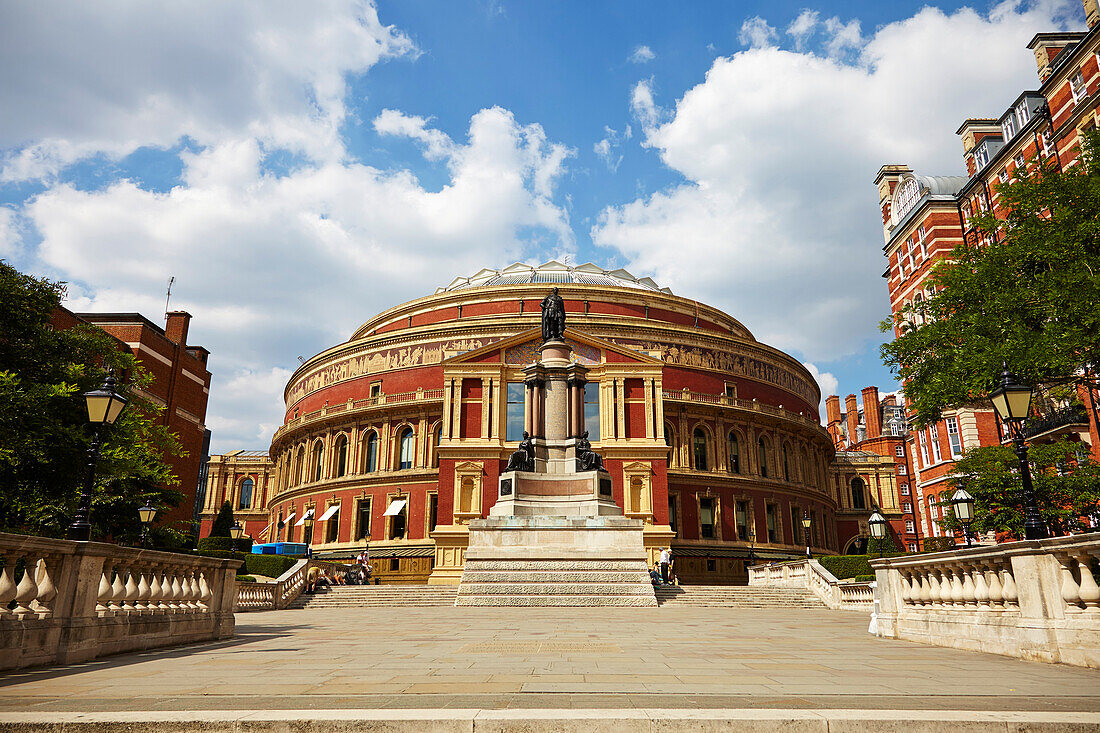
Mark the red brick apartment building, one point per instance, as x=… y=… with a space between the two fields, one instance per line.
x=925 y=217
x=181 y=385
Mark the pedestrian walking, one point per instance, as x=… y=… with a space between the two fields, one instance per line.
x=665 y=558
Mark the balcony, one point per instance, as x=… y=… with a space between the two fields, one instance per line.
x=1058 y=422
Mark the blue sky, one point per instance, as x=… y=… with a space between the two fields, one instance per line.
x=300 y=167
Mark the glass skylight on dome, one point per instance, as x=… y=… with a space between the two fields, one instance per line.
x=551 y=273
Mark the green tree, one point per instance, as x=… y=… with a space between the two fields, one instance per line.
x=1025 y=292
x=44 y=432
x=223 y=522
x=1065 y=478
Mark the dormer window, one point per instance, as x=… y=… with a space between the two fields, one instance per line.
x=1023 y=114
x=981 y=156
x=1008 y=127
x=1077 y=86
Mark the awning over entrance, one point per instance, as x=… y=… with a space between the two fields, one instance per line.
x=307 y=515
x=396 y=507
x=288 y=520
x=329 y=512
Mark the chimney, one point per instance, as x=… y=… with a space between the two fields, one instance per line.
x=853 y=418
x=176 y=327
x=832 y=409
x=872 y=412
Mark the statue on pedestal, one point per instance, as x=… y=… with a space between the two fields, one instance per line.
x=587 y=460
x=524 y=458
x=553 y=317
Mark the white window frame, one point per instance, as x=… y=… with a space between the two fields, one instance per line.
x=1003 y=175
x=901 y=469
x=934 y=437
x=953 y=437
x=1077 y=86
x=899 y=451
x=923 y=448
x=1021 y=164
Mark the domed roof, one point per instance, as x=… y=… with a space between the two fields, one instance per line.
x=555 y=273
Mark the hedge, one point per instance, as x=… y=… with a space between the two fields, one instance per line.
x=863 y=578
x=846 y=566
x=270 y=565
x=245 y=579
x=225 y=544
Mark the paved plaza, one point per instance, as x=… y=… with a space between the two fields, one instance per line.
x=496 y=659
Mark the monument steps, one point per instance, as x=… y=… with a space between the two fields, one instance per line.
x=578 y=581
x=369 y=596
x=736 y=596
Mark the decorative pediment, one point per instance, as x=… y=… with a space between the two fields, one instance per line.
x=523 y=349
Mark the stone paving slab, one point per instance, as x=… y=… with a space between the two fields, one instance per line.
x=573 y=658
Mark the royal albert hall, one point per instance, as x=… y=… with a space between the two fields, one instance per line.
x=396 y=438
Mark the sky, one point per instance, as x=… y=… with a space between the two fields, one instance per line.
x=299 y=167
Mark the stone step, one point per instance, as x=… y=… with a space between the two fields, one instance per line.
x=574 y=565
x=561 y=589
x=352 y=596
x=556 y=600
x=554 y=576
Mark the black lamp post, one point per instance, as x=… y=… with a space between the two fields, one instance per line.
x=963 y=505
x=307 y=529
x=236 y=532
x=1012 y=401
x=752 y=546
x=146 y=514
x=877 y=523
x=104 y=406
x=806 y=530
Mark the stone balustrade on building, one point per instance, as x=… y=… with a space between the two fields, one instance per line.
x=359 y=407
x=812 y=575
x=63 y=602
x=273 y=595
x=1036 y=599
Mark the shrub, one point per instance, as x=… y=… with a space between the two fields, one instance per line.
x=224 y=544
x=863 y=578
x=223 y=522
x=271 y=566
x=245 y=579
x=846 y=566
x=939 y=544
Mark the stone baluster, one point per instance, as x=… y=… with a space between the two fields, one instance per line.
x=131 y=592
x=177 y=591
x=7 y=582
x=156 y=591
x=981 y=588
x=103 y=596
x=27 y=590
x=1011 y=596
x=996 y=590
x=958 y=596
x=47 y=591
x=934 y=596
x=144 y=592
x=969 y=596
x=925 y=588
x=1070 y=593
x=191 y=591
x=118 y=590
x=906 y=587
x=204 y=594
x=1088 y=590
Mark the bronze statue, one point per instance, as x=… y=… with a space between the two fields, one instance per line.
x=587 y=460
x=524 y=457
x=553 y=317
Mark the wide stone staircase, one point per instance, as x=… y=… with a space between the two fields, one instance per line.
x=367 y=596
x=555 y=582
x=736 y=596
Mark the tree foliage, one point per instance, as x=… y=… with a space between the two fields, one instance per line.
x=1066 y=482
x=1025 y=291
x=44 y=430
x=223 y=522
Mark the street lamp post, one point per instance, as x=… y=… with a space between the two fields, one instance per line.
x=1012 y=401
x=236 y=532
x=307 y=529
x=877 y=523
x=963 y=504
x=752 y=547
x=146 y=514
x=104 y=406
x=806 y=530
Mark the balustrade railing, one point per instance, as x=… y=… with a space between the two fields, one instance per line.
x=63 y=601
x=686 y=395
x=1033 y=599
x=276 y=594
x=395 y=398
x=812 y=575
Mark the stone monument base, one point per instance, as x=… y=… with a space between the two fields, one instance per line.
x=555 y=561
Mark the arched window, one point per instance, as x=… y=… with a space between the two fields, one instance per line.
x=670 y=441
x=858 y=500
x=734 y=453
x=370 y=453
x=786 y=464
x=762 y=456
x=406 y=443
x=437 y=438
x=807 y=476
x=341 y=456
x=300 y=466
x=246 y=494
x=318 y=460
x=699 y=449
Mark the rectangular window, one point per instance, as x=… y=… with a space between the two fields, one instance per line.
x=1077 y=86
x=953 y=437
x=934 y=437
x=1021 y=165
x=904 y=488
x=517 y=394
x=731 y=391
x=672 y=523
x=706 y=517
x=741 y=515
x=770 y=517
x=1008 y=128
x=395 y=564
x=397 y=522
x=376 y=390
x=907 y=508
x=433 y=511
x=912 y=547
x=1003 y=175
x=1048 y=142
x=899 y=451
x=796 y=525
x=712 y=565
x=909 y=526
x=1023 y=114
x=362 y=523
x=901 y=470
x=332 y=527
x=592 y=410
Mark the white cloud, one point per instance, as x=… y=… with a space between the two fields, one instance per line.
x=9 y=235
x=777 y=219
x=828 y=383
x=641 y=55
x=607 y=148
x=802 y=27
x=756 y=33
x=843 y=37
x=276 y=266
x=78 y=79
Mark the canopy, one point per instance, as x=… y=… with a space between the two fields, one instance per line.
x=396 y=507
x=307 y=515
x=329 y=512
x=288 y=519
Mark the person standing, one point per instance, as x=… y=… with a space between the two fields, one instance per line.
x=664 y=564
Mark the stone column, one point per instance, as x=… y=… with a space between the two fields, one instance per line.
x=529 y=407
